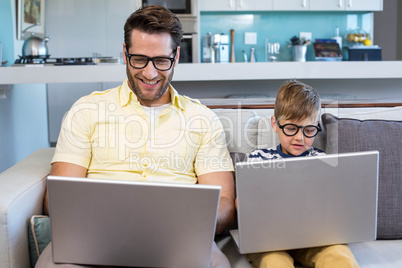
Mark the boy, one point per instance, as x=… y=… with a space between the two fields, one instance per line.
x=296 y=121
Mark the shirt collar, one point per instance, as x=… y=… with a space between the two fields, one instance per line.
x=281 y=153
x=176 y=98
x=127 y=95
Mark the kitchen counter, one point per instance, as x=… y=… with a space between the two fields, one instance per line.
x=207 y=72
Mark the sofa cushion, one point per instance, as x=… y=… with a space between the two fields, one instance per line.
x=38 y=236
x=241 y=129
x=267 y=138
x=352 y=135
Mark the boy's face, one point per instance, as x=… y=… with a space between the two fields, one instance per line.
x=297 y=144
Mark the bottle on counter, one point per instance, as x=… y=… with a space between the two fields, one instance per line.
x=206 y=47
x=338 y=38
x=252 y=55
x=244 y=55
x=216 y=46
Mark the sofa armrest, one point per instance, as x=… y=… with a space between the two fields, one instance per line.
x=21 y=195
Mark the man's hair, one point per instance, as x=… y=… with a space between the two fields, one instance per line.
x=154 y=19
x=297 y=101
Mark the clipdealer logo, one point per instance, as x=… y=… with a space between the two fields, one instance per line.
x=121 y=137
x=176 y=162
x=113 y=127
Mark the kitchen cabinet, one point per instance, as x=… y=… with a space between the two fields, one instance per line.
x=332 y=5
x=342 y=5
x=297 y=5
x=291 y=5
x=235 y=5
x=328 y=5
x=369 y=5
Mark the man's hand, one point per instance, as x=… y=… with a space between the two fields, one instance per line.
x=66 y=170
x=226 y=212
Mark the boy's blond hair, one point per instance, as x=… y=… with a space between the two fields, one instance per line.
x=297 y=101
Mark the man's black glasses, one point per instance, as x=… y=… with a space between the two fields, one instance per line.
x=141 y=61
x=309 y=131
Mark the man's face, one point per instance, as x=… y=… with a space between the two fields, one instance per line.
x=149 y=84
x=297 y=144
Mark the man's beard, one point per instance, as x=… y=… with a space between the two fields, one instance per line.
x=136 y=89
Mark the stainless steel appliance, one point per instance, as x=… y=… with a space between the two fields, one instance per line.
x=189 y=48
x=179 y=7
x=220 y=48
x=207 y=47
x=224 y=49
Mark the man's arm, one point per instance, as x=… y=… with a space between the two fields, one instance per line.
x=63 y=169
x=226 y=212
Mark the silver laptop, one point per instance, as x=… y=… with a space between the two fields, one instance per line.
x=306 y=202
x=125 y=223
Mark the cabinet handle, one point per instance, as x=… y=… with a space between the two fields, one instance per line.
x=241 y=4
x=231 y=3
x=350 y=3
x=340 y=3
x=304 y=3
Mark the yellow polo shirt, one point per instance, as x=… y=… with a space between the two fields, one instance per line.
x=110 y=134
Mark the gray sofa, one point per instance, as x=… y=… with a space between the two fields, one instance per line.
x=22 y=186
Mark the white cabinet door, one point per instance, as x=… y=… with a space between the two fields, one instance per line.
x=217 y=5
x=332 y=5
x=369 y=5
x=290 y=4
x=254 y=5
x=298 y=5
x=231 y=5
x=355 y=5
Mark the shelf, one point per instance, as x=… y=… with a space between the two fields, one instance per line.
x=208 y=72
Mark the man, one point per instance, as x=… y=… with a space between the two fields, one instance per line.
x=144 y=130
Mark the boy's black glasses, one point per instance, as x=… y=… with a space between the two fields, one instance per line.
x=160 y=63
x=309 y=131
